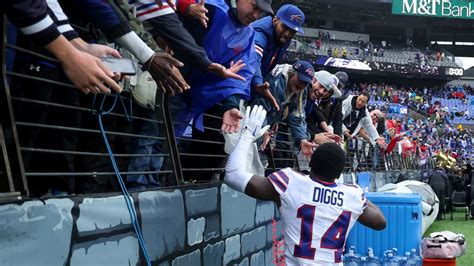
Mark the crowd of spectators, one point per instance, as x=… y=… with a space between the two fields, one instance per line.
x=153 y=35
x=387 y=67
x=207 y=83
x=422 y=100
x=429 y=135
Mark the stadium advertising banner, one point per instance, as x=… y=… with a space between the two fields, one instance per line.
x=434 y=8
x=343 y=63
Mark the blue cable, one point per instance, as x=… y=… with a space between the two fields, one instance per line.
x=131 y=208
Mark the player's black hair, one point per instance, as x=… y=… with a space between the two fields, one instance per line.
x=328 y=162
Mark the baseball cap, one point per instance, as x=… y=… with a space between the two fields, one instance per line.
x=144 y=92
x=343 y=78
x=327 y=80
x=336 y=92
x=305 y=70
x=291 y=16
x=265 y=5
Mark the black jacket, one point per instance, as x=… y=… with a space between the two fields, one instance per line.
x=32 y=18
x=329 y=111
x=439 y=179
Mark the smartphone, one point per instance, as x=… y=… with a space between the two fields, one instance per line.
x=121 y=65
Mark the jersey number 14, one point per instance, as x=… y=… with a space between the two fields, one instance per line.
x=333 y=238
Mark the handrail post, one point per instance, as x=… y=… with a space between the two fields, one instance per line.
x=173 y=148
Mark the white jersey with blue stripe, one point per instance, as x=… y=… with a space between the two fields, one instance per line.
x=317 y=216
x=146 y=9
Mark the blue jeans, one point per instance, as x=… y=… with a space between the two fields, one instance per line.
x=141 y=145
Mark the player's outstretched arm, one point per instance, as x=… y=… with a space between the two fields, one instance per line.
x=373 y=217
x=261 y=188
x=237 y=176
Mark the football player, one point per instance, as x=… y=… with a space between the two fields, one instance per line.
x=317 y=213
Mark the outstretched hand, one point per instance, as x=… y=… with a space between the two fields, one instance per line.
x=264 y=90
x=89 y=74
x=99 y=50
x=198 y=11
x=231 y=121
x=221 y=71
x=253 y=122
x=381 y=143
x=325 y=137
x=307 y=148
x=163 y=69
x=266 y=136
x=347 y=133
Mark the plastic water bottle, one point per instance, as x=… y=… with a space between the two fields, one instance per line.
x=395 y=255
x=389 y=259
x=410 y=261
x=415 y=258
x=371 y=259
x=351 y=259
x=404 y=259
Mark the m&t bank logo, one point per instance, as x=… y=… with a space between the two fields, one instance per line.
x=438 y=8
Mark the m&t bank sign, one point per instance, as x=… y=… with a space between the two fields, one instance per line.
x=434 y=8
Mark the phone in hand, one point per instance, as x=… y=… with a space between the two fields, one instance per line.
x=122 y=65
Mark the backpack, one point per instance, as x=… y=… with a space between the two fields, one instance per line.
x=443 y=245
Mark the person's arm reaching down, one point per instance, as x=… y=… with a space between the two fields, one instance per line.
x=298 y=126
x=97 y=50
x=61 y=20
x=324 y=126
x=257 y=84
x=372 y=132
x=195 y=10
x=237 y=177
x=162 y=67
x=32 y=19
x=337 y=118
x=364 y=135
x=84 y=70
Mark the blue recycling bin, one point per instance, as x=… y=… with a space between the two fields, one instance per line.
x=404 y=216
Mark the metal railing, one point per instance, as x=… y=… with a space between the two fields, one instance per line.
x=49 y=134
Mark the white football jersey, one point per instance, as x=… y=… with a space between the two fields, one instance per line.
x=317 y=216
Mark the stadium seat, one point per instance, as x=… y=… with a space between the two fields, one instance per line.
x=458 y=201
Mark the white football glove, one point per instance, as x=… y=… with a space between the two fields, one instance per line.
x=253 y=121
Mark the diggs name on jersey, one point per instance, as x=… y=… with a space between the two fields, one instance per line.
x=328 y=196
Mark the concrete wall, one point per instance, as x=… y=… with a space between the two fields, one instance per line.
x=199 y=225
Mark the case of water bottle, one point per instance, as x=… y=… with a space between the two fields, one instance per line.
x=403 y=232
x=390 y=258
